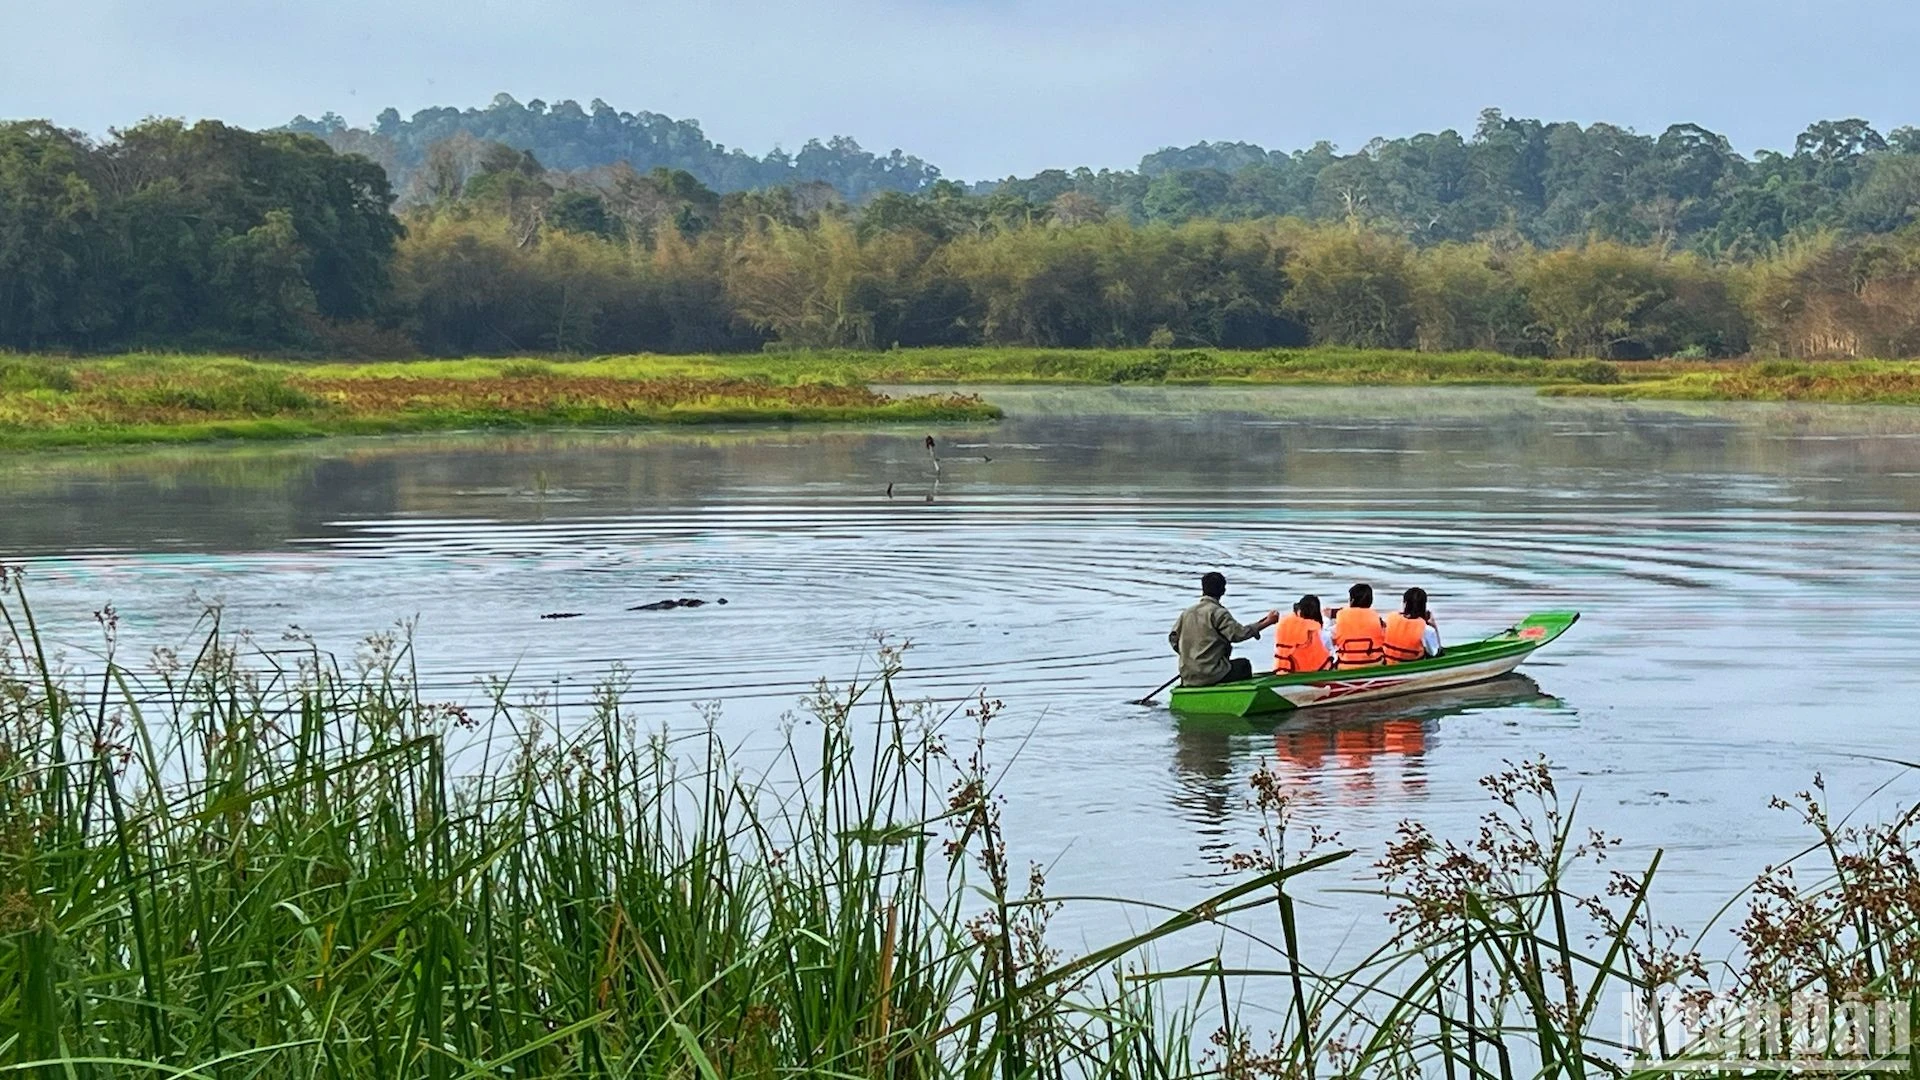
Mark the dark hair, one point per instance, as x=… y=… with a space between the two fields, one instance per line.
x=1360 y=595
x=1309 y=608
x=1414 y=604
x=1213 y=583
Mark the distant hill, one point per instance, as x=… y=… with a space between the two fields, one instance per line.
x=1548 y=183
x=567 y=136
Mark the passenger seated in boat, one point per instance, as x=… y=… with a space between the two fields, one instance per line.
x=1411 y=632
x=1359 y=634
x=1303 y=642
x=1205 y=634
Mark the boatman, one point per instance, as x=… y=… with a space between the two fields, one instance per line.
x=1205 y=634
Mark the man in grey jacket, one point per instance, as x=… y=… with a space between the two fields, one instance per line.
x=1205 y=634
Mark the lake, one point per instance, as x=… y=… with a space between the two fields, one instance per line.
x=1746 y=576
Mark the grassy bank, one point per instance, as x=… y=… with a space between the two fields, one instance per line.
x=244 y=866
x=155 y=398
x=158 y=399
x=141 y=398
x=1024 y=366
x=1839 y=382
x=1876 y=382
x=1852 y=382
x=1318 y=366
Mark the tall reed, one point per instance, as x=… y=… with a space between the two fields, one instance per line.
x=270 y=866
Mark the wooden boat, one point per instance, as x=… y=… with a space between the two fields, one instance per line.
x=1458 y=665
x=1512 y=690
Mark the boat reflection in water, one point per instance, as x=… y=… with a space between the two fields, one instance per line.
x=1334 y=752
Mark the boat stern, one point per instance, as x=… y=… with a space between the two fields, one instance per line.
x=1253 y=698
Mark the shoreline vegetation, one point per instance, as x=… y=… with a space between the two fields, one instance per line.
x=142 y=398
x=242 y=861
x=1524 y=239
x=1839 y=382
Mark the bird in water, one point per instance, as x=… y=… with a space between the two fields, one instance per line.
x=936 y=459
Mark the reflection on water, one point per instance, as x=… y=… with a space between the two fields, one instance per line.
x=1349 y=754
x=1715 y=552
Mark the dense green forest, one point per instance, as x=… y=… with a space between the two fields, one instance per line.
x=1551 y=184
x=1525 y=238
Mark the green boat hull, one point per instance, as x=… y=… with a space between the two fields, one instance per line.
x=1459 y=665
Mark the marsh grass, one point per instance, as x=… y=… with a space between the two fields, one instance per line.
x=252 y=861
x=269 y=867
x=20 y=374
x=1315 y=366
x=139 y=399
x=1850 y=382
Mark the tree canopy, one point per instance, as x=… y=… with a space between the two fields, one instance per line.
x=1551 y=184
x=1527 y=238
x=170 y=233
x=1548 y=183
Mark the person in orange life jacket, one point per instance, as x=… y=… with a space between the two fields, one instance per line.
x=1359 y=635
x=1303 y=642
x=1411 y=632
x=1205 y=634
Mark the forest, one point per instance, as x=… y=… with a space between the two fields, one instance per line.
x=529 y=228
x=1552 y=184
x=568 y=137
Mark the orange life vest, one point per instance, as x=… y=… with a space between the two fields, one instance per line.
x=1404 y=640
x=1358 y=637
x=1297 y=646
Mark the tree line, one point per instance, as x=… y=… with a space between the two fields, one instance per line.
x=570 y=137
x=212 y=236
x=177 y=235
x=1551 y=184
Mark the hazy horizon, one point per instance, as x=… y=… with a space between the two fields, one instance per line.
x=984 y=88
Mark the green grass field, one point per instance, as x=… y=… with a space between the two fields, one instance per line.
x=1860 y=382
x=1319 y=366
x=155 y=398
x=161 y=399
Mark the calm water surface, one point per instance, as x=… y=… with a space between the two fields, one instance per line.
x=1747 y=577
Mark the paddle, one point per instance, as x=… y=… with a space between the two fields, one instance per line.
x=1148 y=700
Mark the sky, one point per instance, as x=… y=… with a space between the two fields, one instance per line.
x=983 y=88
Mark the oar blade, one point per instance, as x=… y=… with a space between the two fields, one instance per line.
x=1148 y=700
